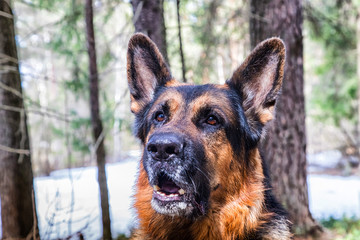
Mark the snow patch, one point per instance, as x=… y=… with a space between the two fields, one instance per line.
x=334 y=196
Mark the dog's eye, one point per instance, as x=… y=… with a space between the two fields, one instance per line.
x=160 y=117
x=212 y=120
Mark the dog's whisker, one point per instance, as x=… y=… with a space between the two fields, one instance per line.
x=202 y=173
x=193 y=183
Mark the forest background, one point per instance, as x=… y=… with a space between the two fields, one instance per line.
x=52 y=44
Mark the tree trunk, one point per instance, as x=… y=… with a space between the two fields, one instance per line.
x=96 y=122
x=18 y=214
x=183 y=67
x=284 y=147
x=208 y=40
x=357 y=142
x=149 y=19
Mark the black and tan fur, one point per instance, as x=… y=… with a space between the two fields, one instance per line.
x=201 y=175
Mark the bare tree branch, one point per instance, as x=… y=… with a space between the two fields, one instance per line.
x=13 y=150
x=4 y=14
x=10 y=89
x=7 y=58
x=33 y=234
x=11 y=108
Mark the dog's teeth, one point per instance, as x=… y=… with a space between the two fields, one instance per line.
x=156 y=187
x=181 y=191
x=173 y=195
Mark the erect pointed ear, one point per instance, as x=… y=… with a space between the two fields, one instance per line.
x=258 y=80
x=146 y=70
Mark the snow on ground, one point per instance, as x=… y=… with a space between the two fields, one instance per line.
x=54 y=201
x=334 y=196
x=328 y=195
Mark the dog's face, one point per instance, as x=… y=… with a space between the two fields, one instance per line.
x=186 y=131
x=194 y=135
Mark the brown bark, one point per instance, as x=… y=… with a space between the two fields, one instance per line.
x=208 y=40
x=358 y=77
x=284 y=147
x=149 y=19
x=183 y=67
x=96 y=122
x=18 y=214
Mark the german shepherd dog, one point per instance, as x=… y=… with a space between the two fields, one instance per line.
x=201 y=175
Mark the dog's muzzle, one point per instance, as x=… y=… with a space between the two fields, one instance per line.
x=171 y=195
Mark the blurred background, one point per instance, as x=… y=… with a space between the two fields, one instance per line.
x=52 y=43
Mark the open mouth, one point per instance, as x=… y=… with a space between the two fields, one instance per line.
x=167 y=189
x=171 y=199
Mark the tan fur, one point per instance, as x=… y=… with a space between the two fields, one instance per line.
x=173 y=83
x=217 y=101
x=234 y=210
x=134 y=105
x=266 y=115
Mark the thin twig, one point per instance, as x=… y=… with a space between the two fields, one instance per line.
x=51 y=115
x=137 y=12
x=7 y=57
x=7 y=69
x=23 y=134
x=14 y=150
x=10 y=89
x=35 y=227
x=44 y=111
x=11 y=108
x=5 y=14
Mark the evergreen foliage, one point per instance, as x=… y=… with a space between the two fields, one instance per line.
x=332 y=24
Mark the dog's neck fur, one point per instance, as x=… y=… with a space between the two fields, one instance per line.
x=235 y=217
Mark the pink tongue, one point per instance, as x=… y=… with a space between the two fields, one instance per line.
x=169 y=187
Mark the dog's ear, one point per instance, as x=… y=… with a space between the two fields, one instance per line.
x=258 y=80
x=146 y=71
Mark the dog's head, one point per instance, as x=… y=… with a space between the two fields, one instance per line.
x=195 y=136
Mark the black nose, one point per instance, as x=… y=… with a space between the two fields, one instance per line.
x=163 y=147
